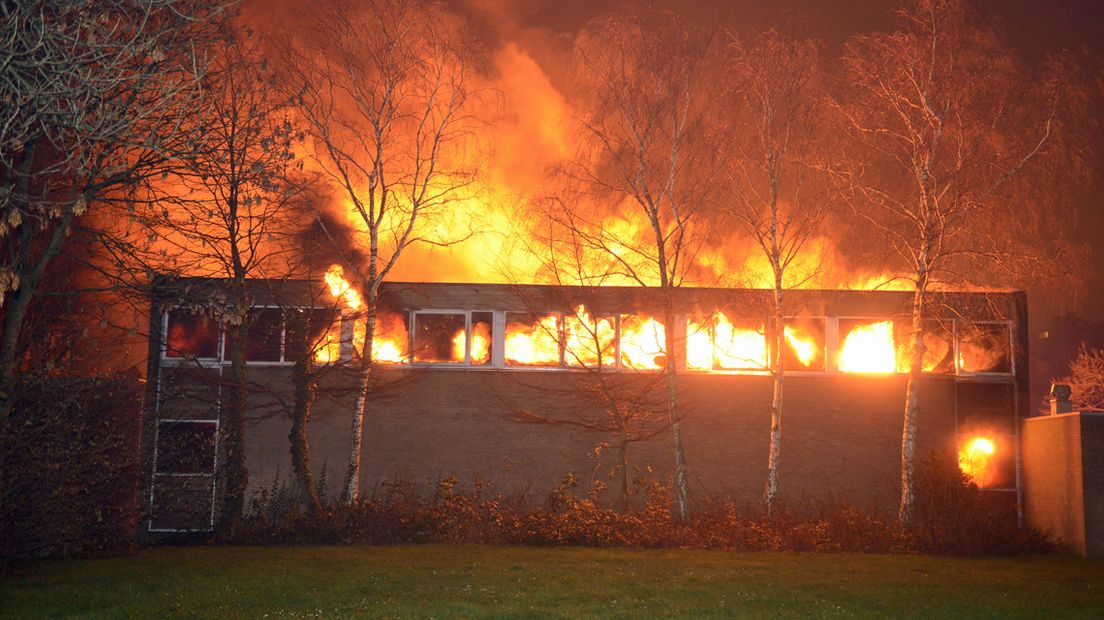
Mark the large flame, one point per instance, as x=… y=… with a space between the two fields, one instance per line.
x=803 y=345
x=588 y=340
x=643 y=343
x=534 y=343
x=719 y=344
x=869 y=348
x=975 y=459
x=480 y=344
x=340 y=287
x=390 y=335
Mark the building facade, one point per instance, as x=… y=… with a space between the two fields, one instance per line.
x=520 y=385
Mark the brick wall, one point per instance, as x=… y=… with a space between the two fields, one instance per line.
x=840 y=438
x=1054 y=501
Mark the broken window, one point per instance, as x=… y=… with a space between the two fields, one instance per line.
x=191 y=336
x=440 y=338
x=717 y=343
x=867 y=346
x=589 y=340
x=265 y=337
x=804 y=347
x=532 y=340
x=482 y=338
x=985 y=348
x=389 y=340
x=938 y=347
x=643 y=343
x=322 y=334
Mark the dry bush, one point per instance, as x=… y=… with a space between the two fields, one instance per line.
x=952 y=519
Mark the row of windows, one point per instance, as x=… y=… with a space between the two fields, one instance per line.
x=496 y=339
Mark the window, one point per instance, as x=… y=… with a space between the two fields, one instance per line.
x=938 y=347
x=453 y=337
x=804 y=347
x=264 y=342
x=440 y=338
x=313 y=329
x=985 y=348
x=186 y=447
x=532 y=340
x=867 y=346
x=191 y=336
x=643 y=344
x=590 y=341
x=481 y=342
x=716 y=343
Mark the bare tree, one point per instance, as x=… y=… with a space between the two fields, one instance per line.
x=945 y=120
x=645 y=169
x=228 y=215
x=93 y=97
x=382 y=88
x=778 y=197
x=1086 y=379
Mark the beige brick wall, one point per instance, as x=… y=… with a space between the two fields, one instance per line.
x=1053 y=486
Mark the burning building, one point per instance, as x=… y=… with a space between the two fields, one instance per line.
x=462 y=371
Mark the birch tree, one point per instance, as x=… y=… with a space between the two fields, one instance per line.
x=382 y=87
x=645 y=163
x=947 y=125
x=778 y=196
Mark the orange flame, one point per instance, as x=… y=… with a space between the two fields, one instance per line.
x=975 y=459
x=643 y=343
x=340 y=287
x=728 y=347
x=535 y=344
x=869 y=348
x=803 y=345
x=588 y=340
x=480 y=344
x=389 y=340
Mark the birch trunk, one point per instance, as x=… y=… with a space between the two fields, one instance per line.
x=776 y=403
x=352 y=484
x=682 y=491
x=912 y=406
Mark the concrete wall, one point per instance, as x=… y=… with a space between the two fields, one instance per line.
x=1063 y=475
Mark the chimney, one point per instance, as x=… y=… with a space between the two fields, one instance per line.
x=1060 y=399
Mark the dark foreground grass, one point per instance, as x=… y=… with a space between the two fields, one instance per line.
x=525 y=582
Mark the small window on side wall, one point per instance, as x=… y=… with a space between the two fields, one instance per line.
x=190 y=336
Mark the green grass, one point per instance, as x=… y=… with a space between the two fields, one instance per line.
x=520 y=582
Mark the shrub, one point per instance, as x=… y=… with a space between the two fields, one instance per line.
x=572 y=515
x=70 y=468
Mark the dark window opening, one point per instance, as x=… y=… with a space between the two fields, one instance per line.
x=191 y=336
x=440 y=338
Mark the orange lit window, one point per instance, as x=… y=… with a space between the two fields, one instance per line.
x=717 y=343
x=804 y=346
x=985 y=348
x=191 y=336
x=532 y=340
x=642 y=343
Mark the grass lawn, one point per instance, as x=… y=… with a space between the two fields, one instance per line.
x=520 y=582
